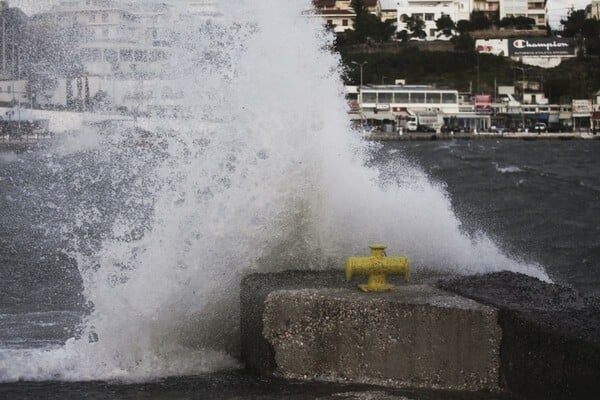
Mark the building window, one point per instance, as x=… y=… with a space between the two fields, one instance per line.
x=111 y=56
x=429 y=17
x=418 y=16
x=141 y=55
x=401 y=97
x=126 y=55
x=90 y=55
x=9 y=89
x=434 y=98
x=105 y=17
x=449 y=98
x=329 y=22
x=344 y=22
x=417 y=98
x=385 y=98
x=92 y=17
x=369 y=97
x=432 y=32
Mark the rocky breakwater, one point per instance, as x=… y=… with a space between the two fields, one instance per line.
x=550 y=334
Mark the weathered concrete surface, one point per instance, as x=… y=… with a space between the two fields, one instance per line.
x=418 y=336
x=551 y=334
x=257 y=353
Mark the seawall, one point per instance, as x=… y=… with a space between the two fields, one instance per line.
x=497 y=333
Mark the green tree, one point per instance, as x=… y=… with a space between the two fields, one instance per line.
x=573 y=24
x=416 y=27
x=517 y=22
x=445 y=25
x=586 y=32
x=368 y=26
x=464 y=26
x=480 y=21
x=464 y=43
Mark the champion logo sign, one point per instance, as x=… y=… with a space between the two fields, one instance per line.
x=520 y=44
x=524 y=44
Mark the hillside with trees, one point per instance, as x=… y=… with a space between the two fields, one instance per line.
x=460 y=66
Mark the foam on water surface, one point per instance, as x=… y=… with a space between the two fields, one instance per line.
x=266 y=175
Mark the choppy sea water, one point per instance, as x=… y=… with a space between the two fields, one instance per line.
x=538 y=201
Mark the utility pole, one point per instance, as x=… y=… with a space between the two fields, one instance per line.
x=362 y=64
x=478 y=92
x=522 y=95
x=3 y=44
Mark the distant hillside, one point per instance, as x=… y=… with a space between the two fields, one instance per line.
x=577 y=77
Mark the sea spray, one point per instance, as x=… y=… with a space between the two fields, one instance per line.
x=263 y=173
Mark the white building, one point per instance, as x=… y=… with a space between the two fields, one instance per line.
x=593 y=9
x=489 y=7
x=431 y=10
x=13 y=92
x=125 y=47
x=203 y=10
x=535 y=9
x=117 y=38
x=339 y=14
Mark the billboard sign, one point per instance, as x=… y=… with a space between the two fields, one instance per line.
x=542 y=47
x=483 y=104
x=582 y=107
x=497 y=47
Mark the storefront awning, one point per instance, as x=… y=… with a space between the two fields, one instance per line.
x=380 y=115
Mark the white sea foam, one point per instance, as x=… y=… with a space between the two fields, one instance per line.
x=508 y=170
x=267 y=176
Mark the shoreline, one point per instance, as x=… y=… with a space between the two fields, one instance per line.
x=484 y=135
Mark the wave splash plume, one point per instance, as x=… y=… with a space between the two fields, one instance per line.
x=264 y=175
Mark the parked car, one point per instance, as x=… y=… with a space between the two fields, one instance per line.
x=497 y=129
x=540 y=127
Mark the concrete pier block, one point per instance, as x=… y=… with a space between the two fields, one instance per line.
x=418 y=336
x=551 y=334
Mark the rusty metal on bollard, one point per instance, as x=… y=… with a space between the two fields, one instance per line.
x=377 y=267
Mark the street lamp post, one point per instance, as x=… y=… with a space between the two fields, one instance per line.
x=361 y=65
x=522 y=95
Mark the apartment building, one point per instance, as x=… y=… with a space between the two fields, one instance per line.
x=535 y=9
x=339 y=14
x=431 y=10
x=593 y=9
x=12 y=24
x=490 y=7
x=116 y=37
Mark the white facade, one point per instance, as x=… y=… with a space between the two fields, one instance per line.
x=429 y=11
x=535 y=9
x=13 y=91
x=117 y=37
x=203 y=10
x=398 y=99
x=593 y=9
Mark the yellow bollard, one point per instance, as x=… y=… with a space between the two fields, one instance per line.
x=376 y=267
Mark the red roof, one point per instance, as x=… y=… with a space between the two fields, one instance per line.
x=370 y=3
x=323 y=3
x=334 y=12
x=331 y=3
